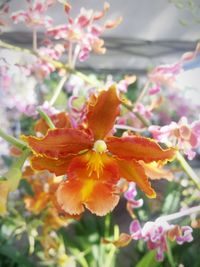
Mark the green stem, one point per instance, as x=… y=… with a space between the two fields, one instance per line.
x=12 y=140
x=34 y=39
x=142 y=119
x=170 y=255
x=110 y=258
x=186 y=167
x=107 y=224
x=46 y=118
x=137 y=114
x=142 y=94
x=58 y=90
x=19 y=162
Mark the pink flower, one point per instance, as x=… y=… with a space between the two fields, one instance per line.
x=122 y=85
x=35 y=15
x=131 y=194
x=182 y=134
x=165 y=75
x=155 y=234
x=83 y=32
x=154 y=89
x=3 y=14
x=31 y=110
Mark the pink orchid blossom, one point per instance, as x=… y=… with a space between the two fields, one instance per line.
x=42 y=68
x=3 y=15
x=182 y=134
x=165 y=75
x=83 y=32
x=130 y=196
x=34 y=16
x=122 y=85
x=155 y=234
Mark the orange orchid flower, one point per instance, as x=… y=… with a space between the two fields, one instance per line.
x=44 y=184
x=94 y=160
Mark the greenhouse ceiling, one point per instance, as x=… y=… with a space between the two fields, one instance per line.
x=150 y=32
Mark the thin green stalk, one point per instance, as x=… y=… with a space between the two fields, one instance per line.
x=170 y=255
x=46 y=118
x=58 y=90
x=137 y=114
x=186 y=167
x=19 y=162
x=107 y=224
x=110 y=258
x=142 y=94
x=12 y=140
x=34 y=39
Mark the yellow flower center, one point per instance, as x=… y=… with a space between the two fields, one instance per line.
x=100 y=146
x=95 y=163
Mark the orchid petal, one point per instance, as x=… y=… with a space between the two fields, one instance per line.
x=132 y=171
x=102 y=112
x=60 y=120
x=59 y=143
x=98 y=197
x=57 y=166
x=139 y=148
x=94 y=165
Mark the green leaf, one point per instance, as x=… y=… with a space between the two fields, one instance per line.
x=148 y=260
x=15 y=256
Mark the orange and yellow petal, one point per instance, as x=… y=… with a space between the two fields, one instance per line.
x=37 y=203
x=103 y=199
x=74 y=195
x=4 y=191
x=60 y=120
x=59 y=143
x=156 y=171
x=57 y=166
x=139 y=148
x=132 y=171
x=99 y=166
x=102 y=112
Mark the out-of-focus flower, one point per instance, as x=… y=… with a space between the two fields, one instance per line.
x=181 y=234
x=80 y=93
x=42 y=66
x=44 y=185
x=130 y=118
x=54 y=250
x=93 y=160
x=18 y=89
x=3 y=14
x=8 y=183
x=155 y=234
x=123 y=84
x=155 y=171
x=165 y=75
x=4 y=190
x=60 y=120
x=191 y=60
x=131 y=194
x=84 y=32
x=34 y=16
x=181 y=134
